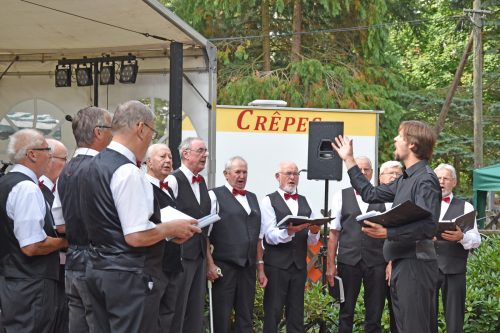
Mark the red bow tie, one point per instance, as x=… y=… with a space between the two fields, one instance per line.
x=240 y=192
x=138 y=163
x=197 y=179
x=40 y=184
x=294 y=196
x=53 y=188
x=447 y=200
x=356 y=192
x=163 y=185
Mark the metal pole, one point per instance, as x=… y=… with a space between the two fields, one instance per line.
x=478 y=84
x=96 y=84
x=323 y=253
x=175 y=101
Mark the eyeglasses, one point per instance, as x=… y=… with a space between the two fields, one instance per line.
x=289 y=174
x=42 y=149
x=104 y=126
x=155 y=132
x=394 y=173
x=65 y=158
x=199 y=150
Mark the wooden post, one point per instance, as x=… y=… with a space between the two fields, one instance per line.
x=478 y=85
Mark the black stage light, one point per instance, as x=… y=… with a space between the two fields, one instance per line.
x=63 y=76
x=128 y=71
x=107 y=73
x=84 y=75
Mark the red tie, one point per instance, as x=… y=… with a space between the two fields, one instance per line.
x=53 y=188
x=447 y=200
x=40 y=184
x=138 y=163
x=163 y=185
x=357 y=193
x=240 y=192
x=197 y=179
x=294 y=196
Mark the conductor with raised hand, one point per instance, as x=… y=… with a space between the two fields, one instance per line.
x=410 y=246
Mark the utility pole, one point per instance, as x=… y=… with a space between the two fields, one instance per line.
x=478 y=83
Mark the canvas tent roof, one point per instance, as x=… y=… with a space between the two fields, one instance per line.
x=35 y=34
x=484 y=180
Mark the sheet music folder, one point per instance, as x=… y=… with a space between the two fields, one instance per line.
x=402 y=214
x=298 y=220
x=170 y=213
x=337 y=291
x=465 y=222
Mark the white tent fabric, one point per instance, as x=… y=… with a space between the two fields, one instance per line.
x=35 y=34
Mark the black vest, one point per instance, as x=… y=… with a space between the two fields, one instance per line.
x=13 y=262
x=109 y=250
x=69 y=186
x=354 y=245
x=236 y=235
x=48 y=195
x=172 y=260
x=186 y=202
x=284 y=255
x=451 y=256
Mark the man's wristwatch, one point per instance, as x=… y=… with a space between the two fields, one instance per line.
x=260 y=262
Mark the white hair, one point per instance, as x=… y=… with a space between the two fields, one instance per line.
x=389 y=165
x=450 y=168
x=229 y=163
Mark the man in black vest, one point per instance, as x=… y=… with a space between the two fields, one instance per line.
x=285 y=251
x=29 y=246
x=191 y=194
x=92 y=132
x=452 y=253
x=234 y=239
x=47 y=184
x=360 y=258
x=124 y=269
x=409 y=246
x=159 y=163
x=389 y=172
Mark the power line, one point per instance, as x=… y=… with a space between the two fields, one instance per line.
x=346 y=29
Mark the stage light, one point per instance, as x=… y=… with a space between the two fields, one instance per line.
x=84 y=75
x=63 y=76
x=107 y=73
x=128 y=71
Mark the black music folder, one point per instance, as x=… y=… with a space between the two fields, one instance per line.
x=298 y=220
x=402 y=214
x=465 y=222
x=337 y=291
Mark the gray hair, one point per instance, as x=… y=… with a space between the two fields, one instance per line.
x=364 y=158
x=389 y=165
x=85 y=121
x=450 y=168
x=152 y=149
x=21 y=141
x=229 y=163
x=128 y=114
x=186 y=144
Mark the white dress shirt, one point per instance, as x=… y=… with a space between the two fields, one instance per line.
x=174 y=186
x=26 y=207
x=268 y=227
x=472 y=238
x=46 y=182
x=132 y=194
x=57 y=212
x=337 y=208
x=155 y=181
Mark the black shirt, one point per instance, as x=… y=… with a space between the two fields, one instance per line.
x=419 y=184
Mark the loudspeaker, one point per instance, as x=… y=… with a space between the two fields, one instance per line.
x=323 y=162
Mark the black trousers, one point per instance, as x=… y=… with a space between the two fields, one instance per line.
x=28 y=305
x=236 y=289
x=124 y=302
x=285 y=289
x=375 y=289
x=62 y=315
x=393 y=326
x=413 y=283
x=81 y=316
x=190 y=286
x=453 y=290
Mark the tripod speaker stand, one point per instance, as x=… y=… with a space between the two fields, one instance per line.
x=323 y=163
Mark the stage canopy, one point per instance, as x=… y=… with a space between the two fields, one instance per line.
x=36 y=34
x=485 y=180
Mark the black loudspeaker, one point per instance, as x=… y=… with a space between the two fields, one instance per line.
x=323 y=162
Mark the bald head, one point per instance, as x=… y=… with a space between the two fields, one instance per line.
x=288 y=176
x=57 y=160
x=159 y=161
x=365 y=165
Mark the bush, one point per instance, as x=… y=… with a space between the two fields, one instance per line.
x=482 y=303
